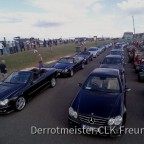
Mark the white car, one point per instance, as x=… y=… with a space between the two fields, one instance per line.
x=94 y=51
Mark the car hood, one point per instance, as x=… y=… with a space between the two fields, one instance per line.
x=99 y=103
x=7 y=89
x=62 y=66
x=119 y=67
x=84 y=56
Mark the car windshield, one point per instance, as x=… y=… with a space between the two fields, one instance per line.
x=116 y=52
x=84 y=53
x=92 y=49
x=66 y=60
x=18 y=77
x=98 y=83
x=112 y=61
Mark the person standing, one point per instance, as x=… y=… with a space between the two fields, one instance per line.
x=3 y=69
x=1 y=48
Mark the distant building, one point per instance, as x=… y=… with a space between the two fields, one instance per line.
x=139 y=36
x=128 y=35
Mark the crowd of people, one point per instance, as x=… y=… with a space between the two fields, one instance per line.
x=15 y=46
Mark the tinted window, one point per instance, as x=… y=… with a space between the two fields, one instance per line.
x=92 y=49
x=112 y=61
x=18 y=77
x=109 y=84
x=84 y=53
x=66 y=60
x=116 y=52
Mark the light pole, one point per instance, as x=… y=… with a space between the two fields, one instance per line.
x=133 y=24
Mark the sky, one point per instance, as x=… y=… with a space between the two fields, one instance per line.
x=70 y=18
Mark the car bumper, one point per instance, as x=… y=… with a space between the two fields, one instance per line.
x=62 y=73
x=6 y=109
x=95 y=129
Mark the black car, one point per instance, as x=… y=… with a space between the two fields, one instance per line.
x=141 y=72
x=88 y=56
x=100 y=102
x=118 y=52
x=68 y=65
x=113 y=61
x=20 y=86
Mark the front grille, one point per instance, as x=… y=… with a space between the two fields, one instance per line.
x=59 y=70
x=93 y=120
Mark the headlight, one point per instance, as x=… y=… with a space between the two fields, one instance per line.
x=73 y=113
x=66 y=70
x=111 y=121
x=4 y=102
x=118 y=120
x=115 y=121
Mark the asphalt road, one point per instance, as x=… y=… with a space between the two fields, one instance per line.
x=49 y=109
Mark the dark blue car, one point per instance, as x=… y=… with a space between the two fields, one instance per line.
x=113 y=61
x=20 y=86
x=88 y=56
x=67 y=66
x=100 y=102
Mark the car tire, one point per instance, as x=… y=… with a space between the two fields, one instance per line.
x=87 y=62
x=20 y=103
x=53 y=82
x=71 y=73
x=83 y=66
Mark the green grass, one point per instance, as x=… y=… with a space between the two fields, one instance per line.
x=26 y=59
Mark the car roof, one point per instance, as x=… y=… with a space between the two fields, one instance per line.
x=113 y=56
x=105 y=71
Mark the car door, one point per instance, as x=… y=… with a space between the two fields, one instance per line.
x=33 y=86
x=77 y=64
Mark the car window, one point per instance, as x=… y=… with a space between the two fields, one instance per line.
x=18 y=77
x=84 y=53
x=92 y=49
x=66 y=60
x=112 y=61
x=116 y=52
x=102 y=84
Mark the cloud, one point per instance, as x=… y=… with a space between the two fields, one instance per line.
x=69 y=9
x=132 y=6
x=9 y=20
x=45 y=24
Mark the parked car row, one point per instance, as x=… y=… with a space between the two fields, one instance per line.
x=101 y=100
x=136 y=57
x=21 y=86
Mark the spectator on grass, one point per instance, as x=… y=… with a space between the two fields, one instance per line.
x=1 y=48
x=22 y=46
x=5 y=50
x=3 y=69
x=10 y=47
x=41 y=65
x=16 y=46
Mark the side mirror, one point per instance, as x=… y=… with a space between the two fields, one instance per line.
x=80 y=84
x=128 y=89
